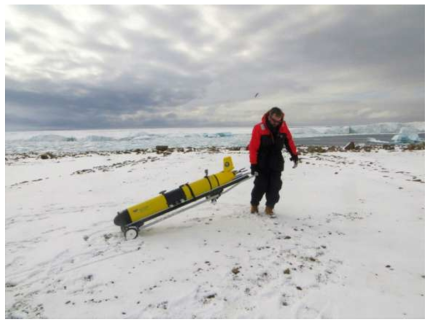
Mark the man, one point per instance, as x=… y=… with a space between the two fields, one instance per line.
x=268 y=139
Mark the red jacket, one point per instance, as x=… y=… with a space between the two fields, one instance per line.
x=266 y=148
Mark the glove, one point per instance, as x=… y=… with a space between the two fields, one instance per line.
x=295 y=160
x=254 y=170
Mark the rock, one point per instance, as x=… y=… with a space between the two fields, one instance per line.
x=419 y=146
x=161 y=148
x=47 y=155
x=318 y=149
x=350 y=146
x=388 y=147
x=236 y=270
x=84 y=171
x=213 y=149
x=333 y=149
x=287 y=271
x=10 y=284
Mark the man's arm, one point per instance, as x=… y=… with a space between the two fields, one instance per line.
x=255 y=142
x=289 y=143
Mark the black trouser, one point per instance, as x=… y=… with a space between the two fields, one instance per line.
x=268 y=183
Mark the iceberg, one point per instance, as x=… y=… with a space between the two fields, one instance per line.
x=407 y=135
x=97 y=138
x=217 y=135
x=51 y=138
x=378 y=128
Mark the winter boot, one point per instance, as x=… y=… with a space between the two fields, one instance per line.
x=254 y=209
x=269 y=212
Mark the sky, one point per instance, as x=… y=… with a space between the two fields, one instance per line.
x=112 y=67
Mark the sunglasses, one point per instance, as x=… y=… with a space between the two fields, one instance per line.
x=274 y=121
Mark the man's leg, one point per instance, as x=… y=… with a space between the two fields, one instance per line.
x=259 y=189
x=274 y=186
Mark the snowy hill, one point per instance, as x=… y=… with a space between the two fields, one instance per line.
x=348 y=241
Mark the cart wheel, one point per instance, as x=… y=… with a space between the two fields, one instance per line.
x=131 y=233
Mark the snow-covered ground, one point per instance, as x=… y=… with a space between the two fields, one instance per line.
x=348 y=241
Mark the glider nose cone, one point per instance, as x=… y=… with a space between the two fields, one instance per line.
x=123 y=218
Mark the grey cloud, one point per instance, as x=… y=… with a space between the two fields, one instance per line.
x=387 y=40
x=324 y=64
x=12 y=36
x=43 y=12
